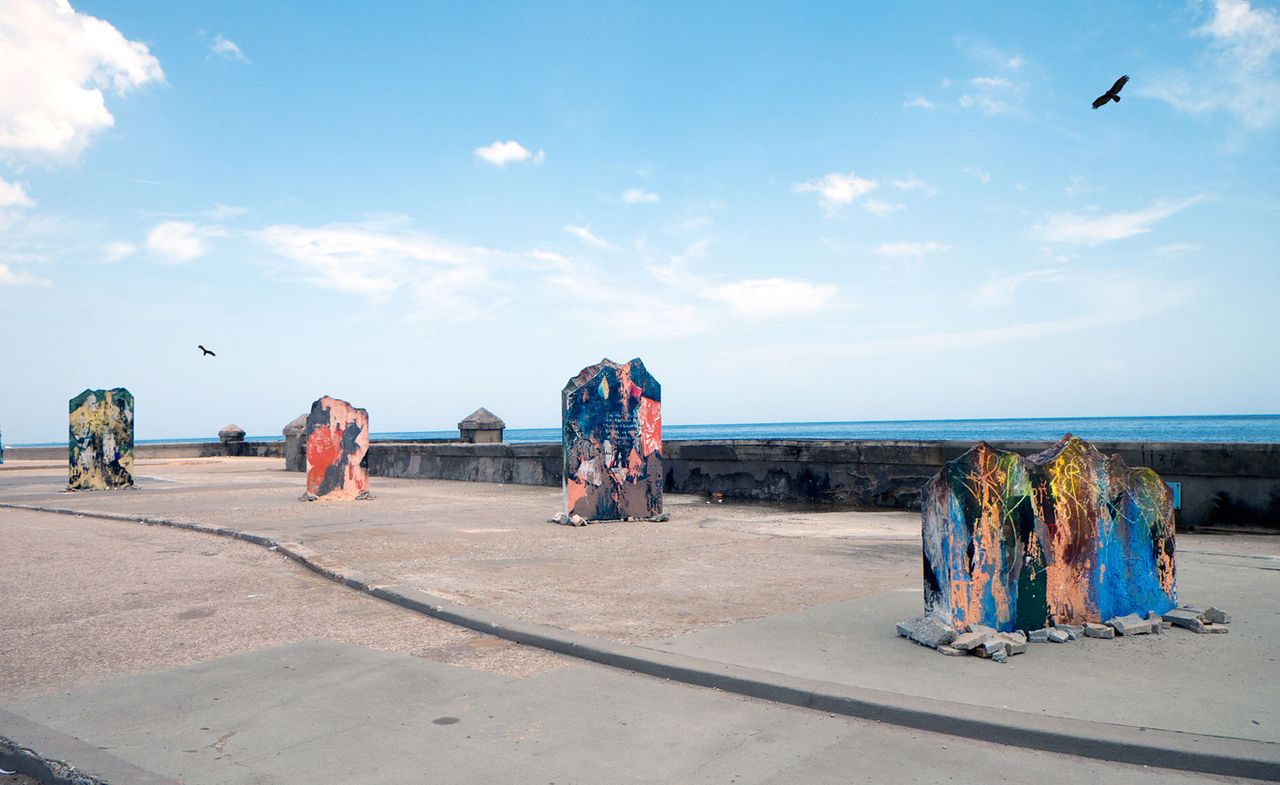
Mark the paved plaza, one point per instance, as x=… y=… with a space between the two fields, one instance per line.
x=199 y=658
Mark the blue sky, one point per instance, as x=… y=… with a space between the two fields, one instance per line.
x=791 y=213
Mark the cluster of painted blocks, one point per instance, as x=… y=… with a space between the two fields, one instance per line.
x=988 y=643
x=612 y=426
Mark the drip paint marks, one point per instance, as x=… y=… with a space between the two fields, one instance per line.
x=100 y=440
x=1065 y=536
x=337 y=450
x=612 y=416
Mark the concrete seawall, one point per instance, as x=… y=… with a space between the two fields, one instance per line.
x=1221 y=484
x=152 y=451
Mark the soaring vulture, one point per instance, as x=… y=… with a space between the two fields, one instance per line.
x=1113 y=94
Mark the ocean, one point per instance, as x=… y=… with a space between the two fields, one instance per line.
x=1235 y=428
x=1213 y=428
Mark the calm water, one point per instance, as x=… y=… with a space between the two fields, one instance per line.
x=1236 y=428
x=1245 y=428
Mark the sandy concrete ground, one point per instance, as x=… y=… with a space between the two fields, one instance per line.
x=97 y=598
x=491 y=546
x=86 y=599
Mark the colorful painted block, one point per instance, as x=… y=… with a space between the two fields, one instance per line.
x=100 y=442
x=1066 y=536
x=612 y=416
x=337 y=450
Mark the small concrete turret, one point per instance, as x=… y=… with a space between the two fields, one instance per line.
x=481 y=427
x=232 y=438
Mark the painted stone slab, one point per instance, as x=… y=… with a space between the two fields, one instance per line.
x=1066 y=536
x=100 y=440
x=612 y=418
x=337 y=450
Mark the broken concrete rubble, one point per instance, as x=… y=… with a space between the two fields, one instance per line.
x=1039 y=636
x=1075 y=631
x=1092 y=630
x=1130 y=624
x=1216 y=616
x=969 y=641
x=927 y=631
x=1015 y=642
x=1185 y=617
x=1058 y=636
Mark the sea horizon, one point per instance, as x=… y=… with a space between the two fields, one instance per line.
x=1208 y=428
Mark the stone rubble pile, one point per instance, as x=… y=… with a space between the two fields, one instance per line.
x=574 y=519
x=989 y=643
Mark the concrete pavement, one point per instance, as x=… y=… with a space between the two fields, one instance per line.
x=695 y=585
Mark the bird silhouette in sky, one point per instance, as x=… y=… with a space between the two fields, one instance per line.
x=1113 y=94
x=206 y=351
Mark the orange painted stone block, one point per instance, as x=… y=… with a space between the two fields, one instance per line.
x=337 y=451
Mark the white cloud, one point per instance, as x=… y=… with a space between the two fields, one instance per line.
x=1238 y=73
x=991 y=56
x=991 y=82
x=640 y=196
x=11 y=277
x=983 y=176
x=588 y=237
x=1001 y=289
x=55 y=64
x=177 y=241
x=772 y=297
x=1091 y=229
x=913 y=183
x=221 y=212
x=115 y=251
x=675 y=273
x=919 y=102
x=14 y=195
x=227 y=49
x=877 y=207
x=836 y=190
x=992 y=95
x=378 y=258
x=1172 y=250
x=502 y=153
x=1088 y=302
x=909 y=250
x=987 y=102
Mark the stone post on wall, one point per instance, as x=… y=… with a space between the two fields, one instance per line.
x=295 y=445
x=481 y=427
x=232 y=438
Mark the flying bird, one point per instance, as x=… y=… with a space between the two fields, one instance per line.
x=1113 y=94
x=206 y=351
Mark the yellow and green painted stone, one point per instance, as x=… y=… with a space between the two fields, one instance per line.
x=100 y=444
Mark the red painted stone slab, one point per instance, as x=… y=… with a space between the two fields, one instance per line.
x=337 y=450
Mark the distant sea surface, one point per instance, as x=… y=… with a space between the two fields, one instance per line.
x=1234 y=428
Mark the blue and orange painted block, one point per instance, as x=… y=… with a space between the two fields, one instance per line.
x=612 y=419
x=337 y=451
x=100 y=440
x=1065 y=536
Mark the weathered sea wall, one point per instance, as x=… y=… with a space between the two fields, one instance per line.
x=1220 y=484
x=154 y=451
